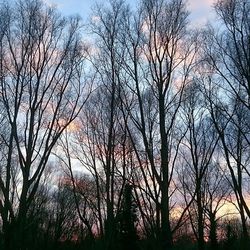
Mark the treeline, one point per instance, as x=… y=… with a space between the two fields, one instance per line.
x=131 y=131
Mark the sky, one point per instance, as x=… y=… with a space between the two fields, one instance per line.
x=201 y=10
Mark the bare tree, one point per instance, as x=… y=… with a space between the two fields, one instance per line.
x=159 y=60
x=41 y=93
x=227 y=92
x=198 y=149
x=100 y=145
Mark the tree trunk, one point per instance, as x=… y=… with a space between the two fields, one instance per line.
x=212 y=233
x=200 y=219
x=166 y=234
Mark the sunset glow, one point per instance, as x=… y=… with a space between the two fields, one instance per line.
x=124 y=125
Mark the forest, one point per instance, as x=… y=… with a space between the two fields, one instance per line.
x=130 y=131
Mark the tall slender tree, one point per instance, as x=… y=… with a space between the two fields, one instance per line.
x=227 y=59
x=160 y=57
x=41 y=93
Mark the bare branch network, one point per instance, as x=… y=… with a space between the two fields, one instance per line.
x=129 y=131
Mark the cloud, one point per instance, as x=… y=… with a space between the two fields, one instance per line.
x=200 y=4
x=50 y=3
x=201 y=11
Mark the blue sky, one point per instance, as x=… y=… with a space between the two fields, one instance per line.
x=70 y=7
x=201 y=10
